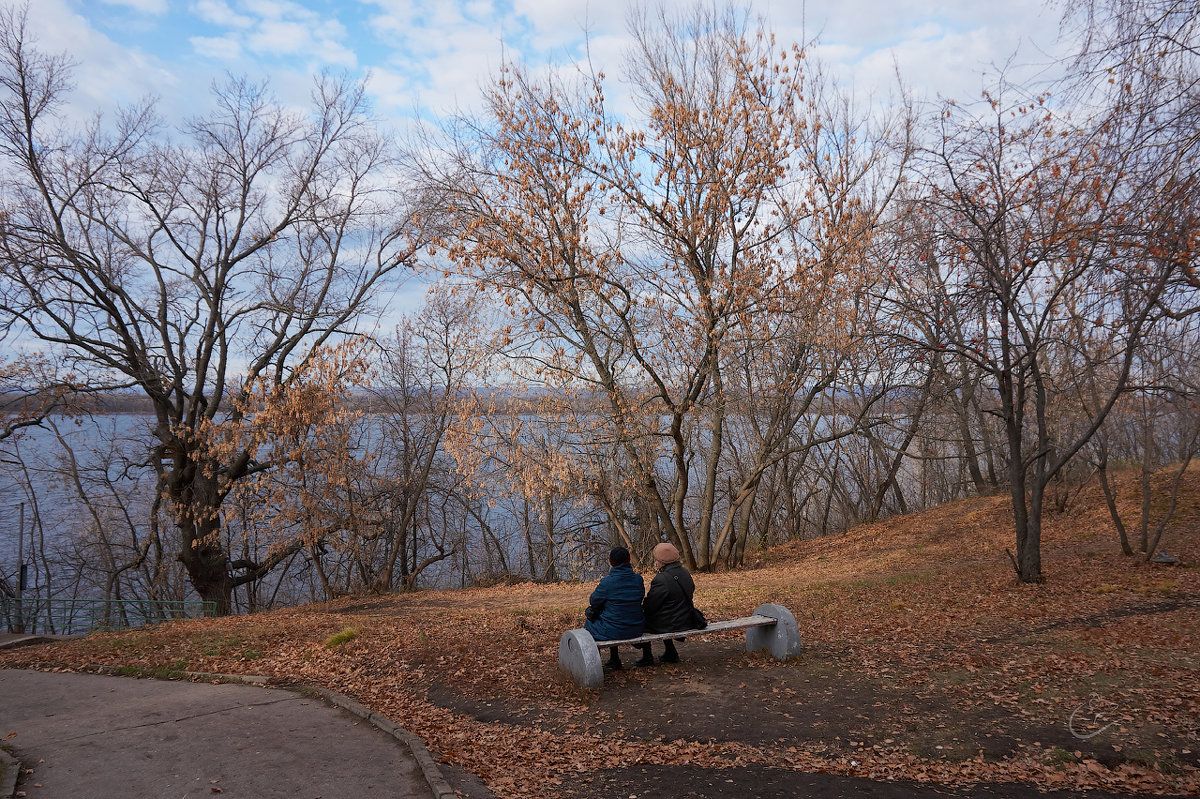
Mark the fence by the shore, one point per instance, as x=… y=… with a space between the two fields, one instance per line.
x=82 y=616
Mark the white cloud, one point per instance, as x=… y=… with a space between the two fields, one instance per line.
x=567 y=19
x=217 y=12
x=441 y=51
x=449 y=49
x=155 y=7
x=278 y=29
x=395 y=17
x=392 y=90
x=838 y=53
x=277 y=9
x=927 y=30
x=221 y=48
x=940 y=47
x=107 y=74
x=479 y=9
x=302 y=38
x=331 y=52
x=278 y=37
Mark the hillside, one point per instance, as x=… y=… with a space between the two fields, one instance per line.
x=924 y=660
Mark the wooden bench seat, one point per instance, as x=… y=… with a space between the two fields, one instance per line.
x=770 y=627
x=713 y=627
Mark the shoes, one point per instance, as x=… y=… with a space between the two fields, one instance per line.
x=645 y=660
x=614 y=664
x=669 y=657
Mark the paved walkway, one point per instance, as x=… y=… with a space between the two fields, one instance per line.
x=10 y=640
x=88 y=736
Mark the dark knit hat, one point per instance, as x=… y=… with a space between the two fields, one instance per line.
x=618 y=555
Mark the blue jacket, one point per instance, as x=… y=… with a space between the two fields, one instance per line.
x=616 y=605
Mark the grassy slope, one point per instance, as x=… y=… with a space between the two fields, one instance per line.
x=920 y=610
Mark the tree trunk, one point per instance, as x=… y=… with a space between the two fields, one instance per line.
x=550 y=574
x=1110 y=499
x=1026 y=501
x=206 y=564
x=898 y=459
x=705 y=556
x=738 y=548
x=969 y=453
x=1029 y=541
x=197 y=509
x=1148 y=461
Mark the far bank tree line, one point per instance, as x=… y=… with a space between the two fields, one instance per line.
x=742 y=312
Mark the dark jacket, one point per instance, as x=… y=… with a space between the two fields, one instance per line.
x=668 y=603
x=615 y=607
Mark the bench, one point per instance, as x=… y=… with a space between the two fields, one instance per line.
x=771 y=627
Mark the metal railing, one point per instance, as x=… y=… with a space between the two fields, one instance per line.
x=82 y=616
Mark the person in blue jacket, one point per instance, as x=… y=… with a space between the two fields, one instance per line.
x=615 y=608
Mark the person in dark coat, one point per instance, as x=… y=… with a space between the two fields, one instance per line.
x=615 y=608
x=668 y=604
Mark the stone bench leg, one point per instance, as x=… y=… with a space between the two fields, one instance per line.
x=579 y=656
x=782 y=639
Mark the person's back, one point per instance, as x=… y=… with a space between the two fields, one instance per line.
x=668 y=604
x=615 y=607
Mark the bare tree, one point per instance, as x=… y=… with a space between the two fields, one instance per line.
x=32 y=387
x=1040 y=225
x=427 y=371
x=1156 y=426
x=192 y=268
x=638 y=255
x=1139 y=60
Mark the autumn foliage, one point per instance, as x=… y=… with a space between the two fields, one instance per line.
x=926 y=375
x=924 y=660
x=687 y=283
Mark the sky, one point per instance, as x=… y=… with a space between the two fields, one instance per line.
x=428 y=57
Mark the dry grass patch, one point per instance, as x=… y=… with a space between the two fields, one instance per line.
x=917 y=636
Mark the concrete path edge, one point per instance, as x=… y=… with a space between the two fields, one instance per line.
x=429 y=768
x=12 y=641
x=12 y=770
x=433 y=775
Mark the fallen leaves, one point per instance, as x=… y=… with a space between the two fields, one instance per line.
x=946 y=652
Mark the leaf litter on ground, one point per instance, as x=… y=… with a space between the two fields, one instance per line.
x=924 y=660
